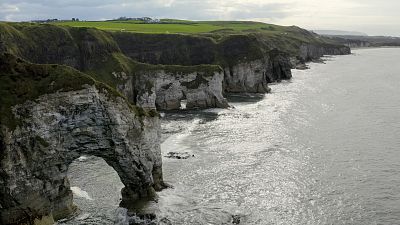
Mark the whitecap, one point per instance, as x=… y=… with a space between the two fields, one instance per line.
x=81 y=193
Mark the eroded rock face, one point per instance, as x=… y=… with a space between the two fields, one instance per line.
x=250 y=61
x=198 y=90
x=247 y=77
x=254 y=76
x=165 y=90
x=57 y=129
x=312 y=52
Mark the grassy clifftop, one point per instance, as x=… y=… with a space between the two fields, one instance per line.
x=83 y=46
x=218 y=30
x=89 y=50
x=169 y=26
x=215 y=29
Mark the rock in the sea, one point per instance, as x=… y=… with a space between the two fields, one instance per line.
x=50 y=116
x=309 y=52
x=236 y=219
x=301 y=66
x=179 y=155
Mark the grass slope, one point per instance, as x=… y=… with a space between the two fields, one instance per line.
x=282 y=37
x=176 y=26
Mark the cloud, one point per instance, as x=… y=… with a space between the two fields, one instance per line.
x=185 y=9
x=369 y=16
x=7 y=9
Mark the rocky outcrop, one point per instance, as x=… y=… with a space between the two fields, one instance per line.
x=167 y=49
x=309 y=52
x=167 y=88
x=247 y=77
x=357 y=44
x=250 y=60
x=365 y=41
x=254 y=76
x=352 y=43
x=97 y=53
x=40 y=136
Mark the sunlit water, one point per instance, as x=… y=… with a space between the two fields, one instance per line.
x=323 y=148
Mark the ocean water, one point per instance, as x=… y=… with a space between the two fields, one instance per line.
x=323 y=148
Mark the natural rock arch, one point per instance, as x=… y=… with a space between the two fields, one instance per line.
x=57 y=129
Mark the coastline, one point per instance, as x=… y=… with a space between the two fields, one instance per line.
x=122 y=93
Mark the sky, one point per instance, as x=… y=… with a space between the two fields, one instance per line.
x=374 y=17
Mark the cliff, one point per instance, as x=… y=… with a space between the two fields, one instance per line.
x=365 y=41
x=312 y=52
x=250 y=59
x=95 y=52
x=50 y=116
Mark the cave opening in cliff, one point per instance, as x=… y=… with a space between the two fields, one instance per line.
x=183 y=104
x=183 y=101
x=95 y=185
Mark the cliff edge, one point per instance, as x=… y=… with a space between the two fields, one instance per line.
x=250 y=59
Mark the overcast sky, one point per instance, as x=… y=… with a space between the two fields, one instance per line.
x=375 y=17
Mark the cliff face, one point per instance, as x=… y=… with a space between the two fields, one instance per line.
x=98 y=54
x=312 y=52
x=166 y=89
x=250 y=60
x=364 y=41
x=248 y=64
x=255 y=75
x=167 y=49
x=81 y=48
x=40 y=137
x=352 y=43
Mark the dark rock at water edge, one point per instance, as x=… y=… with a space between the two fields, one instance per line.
x=236 y=219
x=179 y=155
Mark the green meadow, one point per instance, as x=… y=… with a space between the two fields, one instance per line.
x=175 y=26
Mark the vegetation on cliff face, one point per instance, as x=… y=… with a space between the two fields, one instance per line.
x=95 y=52
x=115 y=57
x=100 y=52
x=206 y=70
x=21 y=81
x=270 y=36
x=217 y=30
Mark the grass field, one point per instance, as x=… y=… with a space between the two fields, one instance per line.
x=175 y=26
